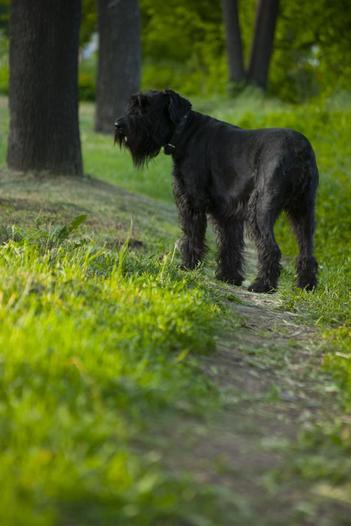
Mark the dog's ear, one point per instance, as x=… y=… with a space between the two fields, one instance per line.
x=177 y=106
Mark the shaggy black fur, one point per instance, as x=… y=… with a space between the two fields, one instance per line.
x=236 y=176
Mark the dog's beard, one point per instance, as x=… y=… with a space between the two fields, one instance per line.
x=120 y=139
x=143 y=152
x=141 y=145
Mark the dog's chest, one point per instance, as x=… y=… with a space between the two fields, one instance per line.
x=194 y=185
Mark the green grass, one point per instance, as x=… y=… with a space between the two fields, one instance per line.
x=91 y=352
x=99 y=340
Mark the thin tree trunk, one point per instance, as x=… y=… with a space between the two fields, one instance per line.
x=233 y=41
x=262 y=47
x=44 y=129
x=119 y=59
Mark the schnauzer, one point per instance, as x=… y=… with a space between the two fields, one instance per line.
x=238 y=177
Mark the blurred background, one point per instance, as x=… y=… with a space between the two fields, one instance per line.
x=183 y=46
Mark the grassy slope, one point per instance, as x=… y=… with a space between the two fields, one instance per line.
x=95 y=341
x=87 y=284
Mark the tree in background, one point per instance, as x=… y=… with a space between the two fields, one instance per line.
x=119 y=59
x=44 y=130
x=184 y=46
x=236 y=68
x=311 y=41
x=262 y=45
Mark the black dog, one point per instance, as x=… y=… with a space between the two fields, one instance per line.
x=236 y=176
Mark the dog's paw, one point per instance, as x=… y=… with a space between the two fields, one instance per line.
x=261 y=287
x=307 y=268
x=309 y=284
x=189 y=266
x=232 y=280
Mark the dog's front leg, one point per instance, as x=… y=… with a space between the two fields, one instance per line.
x=193 y=223
x=230 y=236
x=193 y=248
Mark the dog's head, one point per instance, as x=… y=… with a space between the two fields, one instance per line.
x=149 y=123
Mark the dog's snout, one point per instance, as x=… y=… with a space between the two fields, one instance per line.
x=120 y=125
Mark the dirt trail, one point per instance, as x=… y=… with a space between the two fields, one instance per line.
x=268 y=370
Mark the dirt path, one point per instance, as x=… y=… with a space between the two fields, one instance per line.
x=268 y=370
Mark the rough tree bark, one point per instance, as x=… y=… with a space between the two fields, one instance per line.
x=262 y=47
x=119 y=59
x=233 y=41
x=44 y=129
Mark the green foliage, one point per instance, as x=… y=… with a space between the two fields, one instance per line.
x=196 y=63
x=88 y=21
x=4 y=67
x=183 y=47
x=92 y=347
x=87 y=79
x=61 y=233
x=310 y=47
x=194 y=20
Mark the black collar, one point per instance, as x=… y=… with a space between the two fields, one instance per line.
x=170 y=147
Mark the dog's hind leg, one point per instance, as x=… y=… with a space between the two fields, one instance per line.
x=302 y=219
x=230 y=236
x=262 y=216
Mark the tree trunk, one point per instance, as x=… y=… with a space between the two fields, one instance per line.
x=44 y=128
x=119 y=59
x=233 y=41
x=261 y=51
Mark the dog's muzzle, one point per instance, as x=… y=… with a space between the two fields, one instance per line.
x=120 y=132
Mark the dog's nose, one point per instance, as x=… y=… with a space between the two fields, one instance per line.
x=120 y=125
